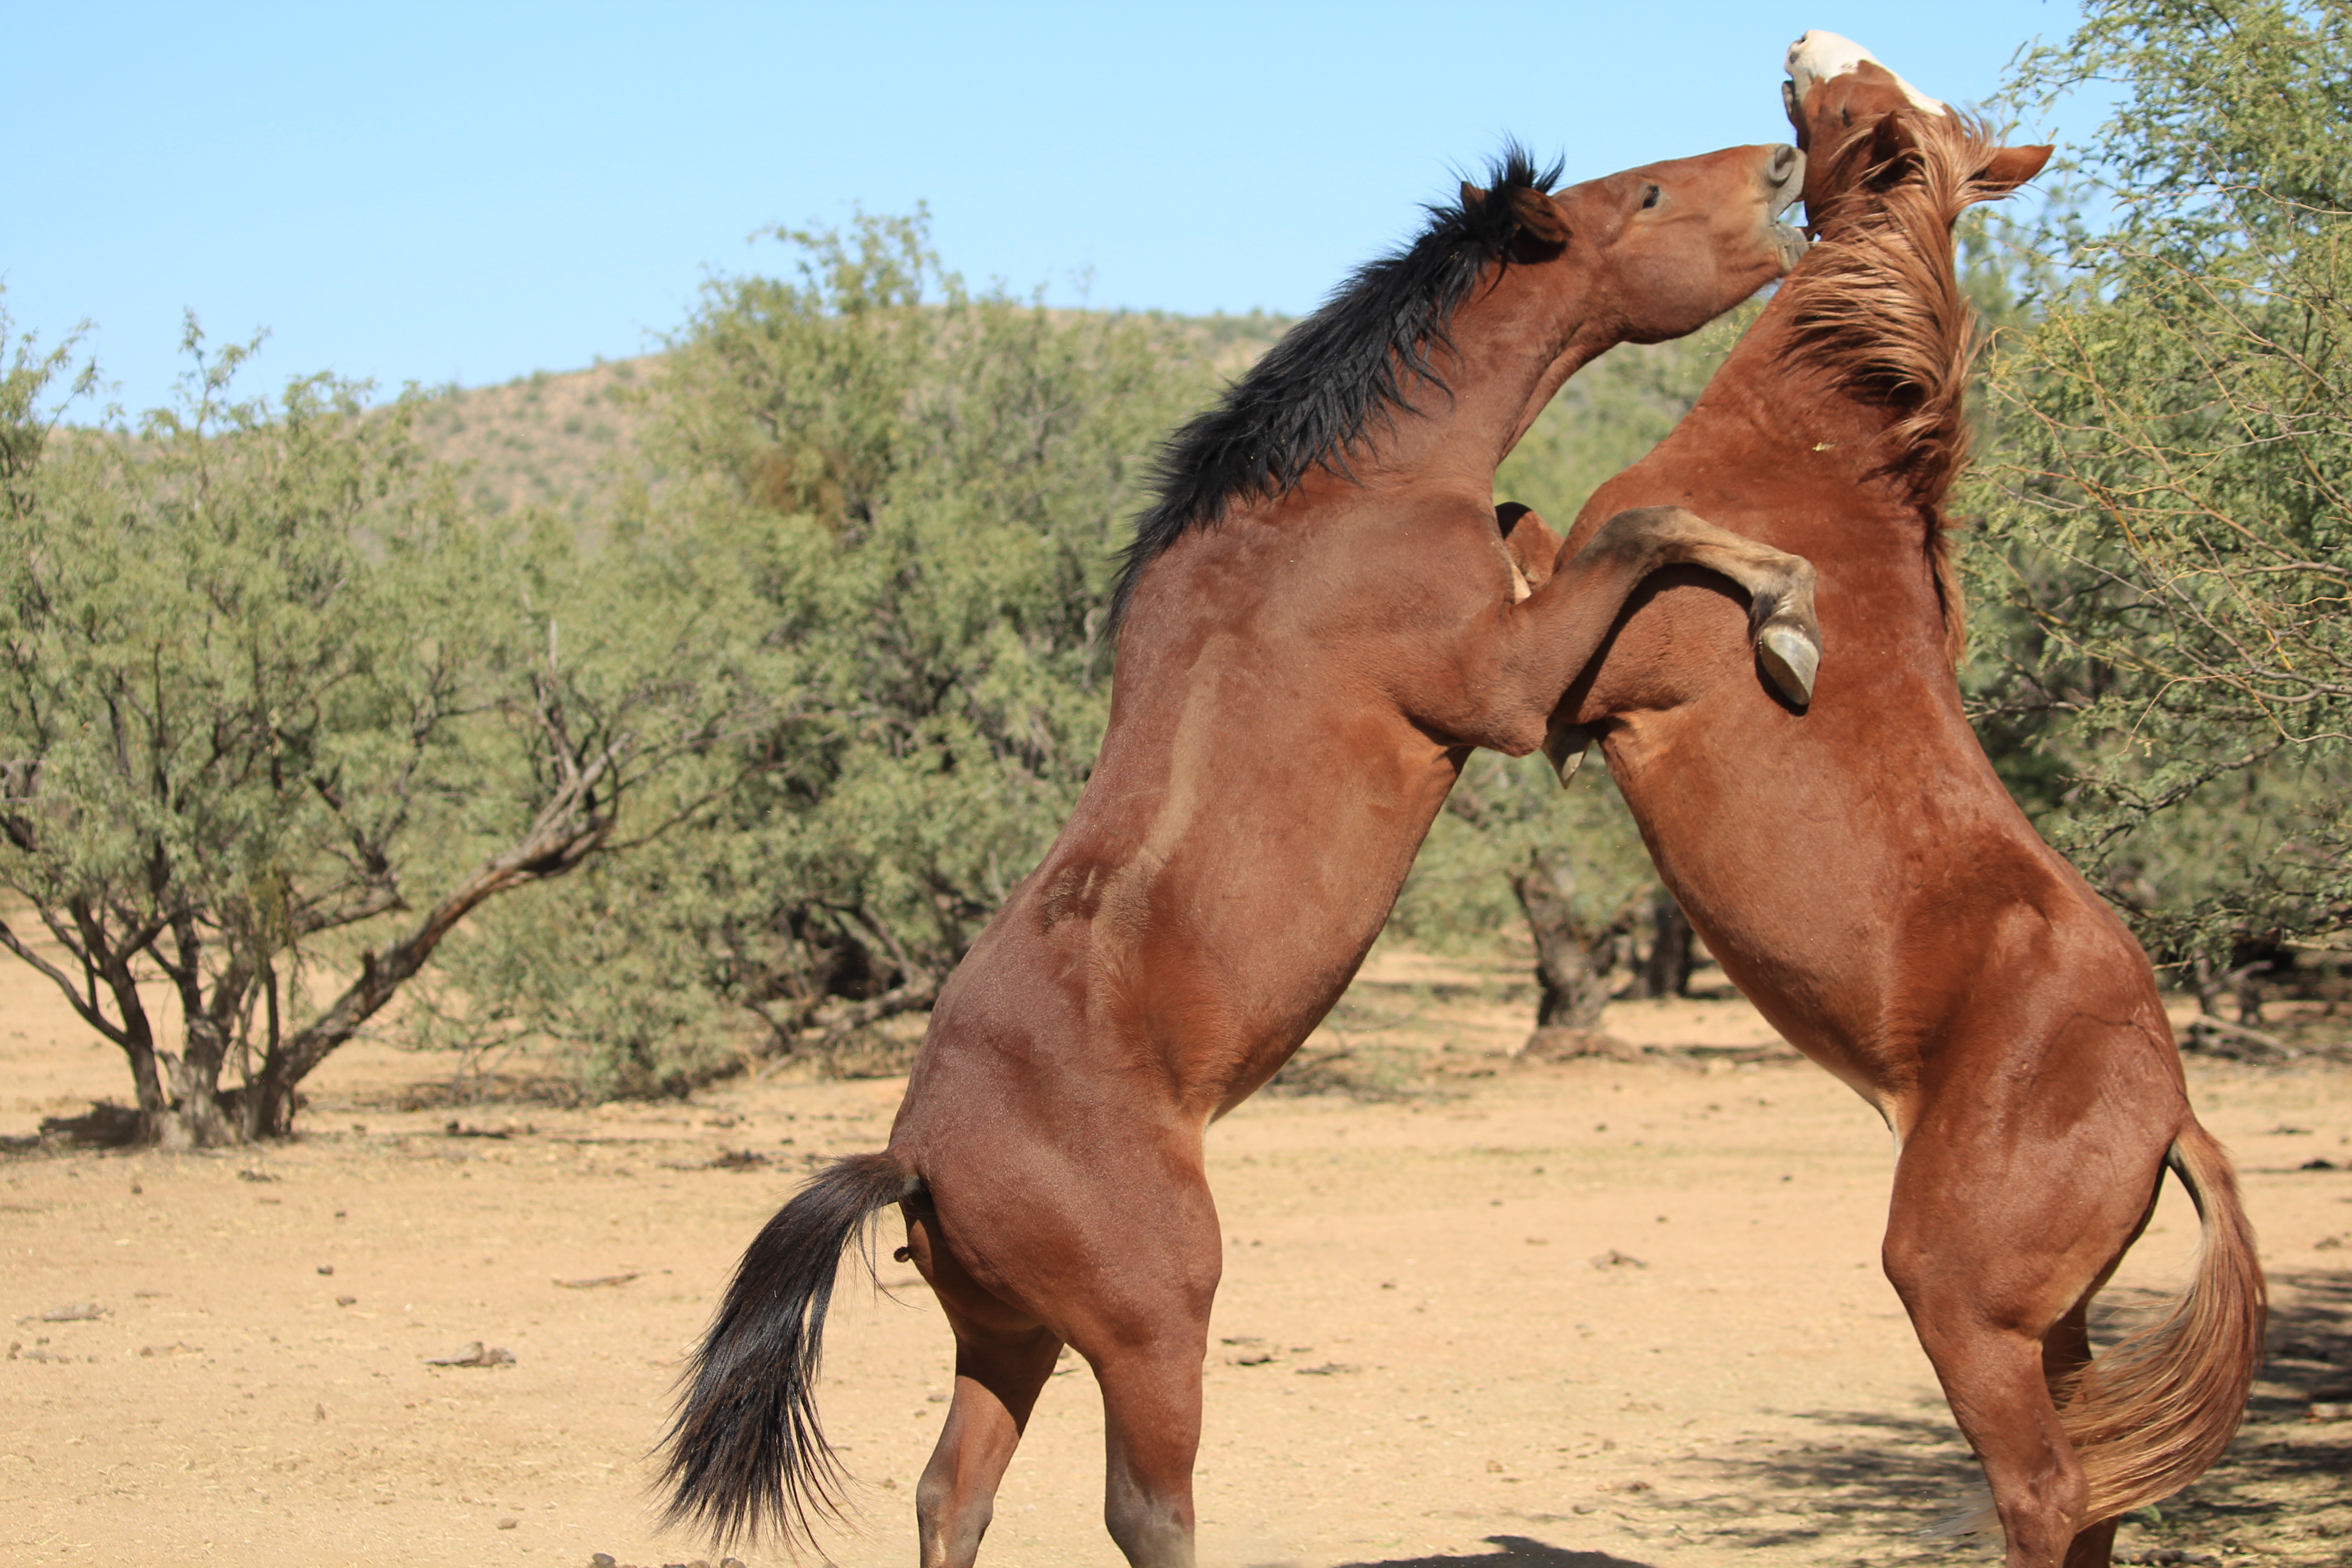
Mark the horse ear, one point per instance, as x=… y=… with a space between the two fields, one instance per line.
x=1891 y=138
x=1539 y=216
x=1472 y=198
x=2009 y=168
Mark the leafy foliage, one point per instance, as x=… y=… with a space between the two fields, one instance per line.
x=277 y=713
x=2168 y=518
x=1611 y=414
x=924 y=489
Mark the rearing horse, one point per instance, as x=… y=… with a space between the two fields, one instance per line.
x=1318 y=621
x=1864 y=878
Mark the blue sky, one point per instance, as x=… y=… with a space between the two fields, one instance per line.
x=445 y=193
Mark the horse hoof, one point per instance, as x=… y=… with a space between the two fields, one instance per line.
x=1565 y=747
x=1789 y=658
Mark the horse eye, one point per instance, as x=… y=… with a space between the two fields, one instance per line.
x=1649 y=198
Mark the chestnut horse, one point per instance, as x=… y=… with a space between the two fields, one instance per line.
x=1317 y=623
x=1863 y=876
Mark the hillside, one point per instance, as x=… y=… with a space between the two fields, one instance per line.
x=555 y=438
x=548 y=438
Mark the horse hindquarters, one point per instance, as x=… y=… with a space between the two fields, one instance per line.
x=1103 y=1237
x=1996 y=1243
x=1986 y=1291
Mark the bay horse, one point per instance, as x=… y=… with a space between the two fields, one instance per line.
x=1865 y=879
x=1320 y=617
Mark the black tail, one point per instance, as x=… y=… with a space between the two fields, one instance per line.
x=745 y=1453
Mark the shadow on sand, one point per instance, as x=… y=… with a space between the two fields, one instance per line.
x=1519 y=1550
x=1860 y=1493
x=1866 y=1488
x=2283 y=1487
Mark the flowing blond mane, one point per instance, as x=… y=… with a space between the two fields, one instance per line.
x=1878 y=300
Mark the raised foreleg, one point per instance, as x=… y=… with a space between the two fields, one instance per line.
x=1528 y=652
x=1781 y=626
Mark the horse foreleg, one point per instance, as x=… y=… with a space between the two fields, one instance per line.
x=1542 y=642
x=1781 y=625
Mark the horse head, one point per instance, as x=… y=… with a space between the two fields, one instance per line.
x=1664 y=250
x=1860 y=125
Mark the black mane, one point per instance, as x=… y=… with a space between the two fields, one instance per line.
x=1315 y=391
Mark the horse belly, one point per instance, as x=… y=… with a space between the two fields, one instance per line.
x=1795 y=842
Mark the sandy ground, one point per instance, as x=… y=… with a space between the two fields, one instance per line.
x=1416 y=1360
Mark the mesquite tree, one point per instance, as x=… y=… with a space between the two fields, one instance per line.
x=924 y=489
x=2169 y=500
x=276 y=714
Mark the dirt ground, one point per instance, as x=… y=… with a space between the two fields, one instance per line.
x=1592 y=1315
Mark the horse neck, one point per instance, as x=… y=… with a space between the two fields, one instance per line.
x=1515 y=341
x=1821 y=420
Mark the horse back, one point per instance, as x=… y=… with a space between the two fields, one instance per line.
x=1262 y=788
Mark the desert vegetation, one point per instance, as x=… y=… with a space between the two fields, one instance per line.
x=2163 y=668
x=694 y=711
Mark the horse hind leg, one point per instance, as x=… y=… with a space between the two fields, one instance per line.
x=1134 y=1301
x=2157 y=1409
x=998 y=1375
x=1996 y=1311
x=1149 y=1365
x=1993 y=1380
x=2065 y=1351
x=1151 y=1411
x=1146 y=1333
x=1003 y=1357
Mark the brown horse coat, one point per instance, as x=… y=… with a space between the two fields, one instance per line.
x=1864 y=878
x=1317 y=624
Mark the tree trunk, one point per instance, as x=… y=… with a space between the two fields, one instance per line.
x=105 y=962
x=1572 y=964
x=2205 y=977
x=265 y=1105
x=195 y=1118
x=147 y=1081
x=2249 y=991
x=1668 y=971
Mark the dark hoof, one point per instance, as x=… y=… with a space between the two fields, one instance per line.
x=1789 y=658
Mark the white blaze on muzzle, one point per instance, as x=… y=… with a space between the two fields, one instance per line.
x=1818 y=56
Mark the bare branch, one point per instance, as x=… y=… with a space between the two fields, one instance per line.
x=87 y=1010
x=564 y=833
